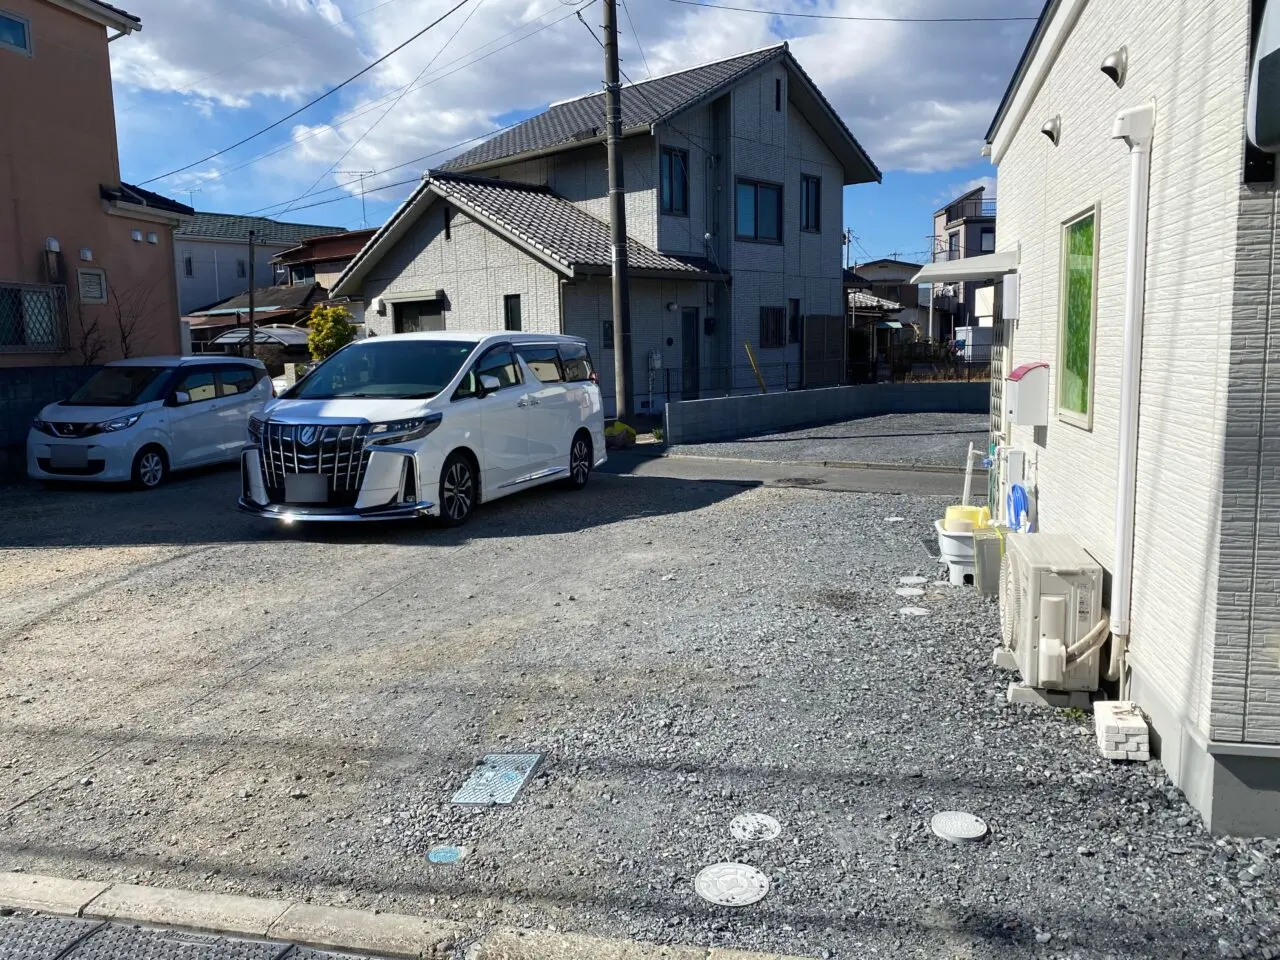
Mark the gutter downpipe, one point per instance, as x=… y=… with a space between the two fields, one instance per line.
x=1135 y=126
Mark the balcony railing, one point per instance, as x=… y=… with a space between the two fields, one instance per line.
x=969 y=209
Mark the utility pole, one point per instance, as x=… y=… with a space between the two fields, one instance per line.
x=253 y=326
x=364 y=217
x=617 y=214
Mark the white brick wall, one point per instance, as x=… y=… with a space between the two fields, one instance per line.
x=1190 y=58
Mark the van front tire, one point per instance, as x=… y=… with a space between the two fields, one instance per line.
x=459 y=485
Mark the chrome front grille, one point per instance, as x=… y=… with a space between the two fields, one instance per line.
x=337 y=451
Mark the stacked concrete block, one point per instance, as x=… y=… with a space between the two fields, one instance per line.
x=1122 y=730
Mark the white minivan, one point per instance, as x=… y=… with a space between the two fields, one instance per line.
x=426 y=424
x=142 y=418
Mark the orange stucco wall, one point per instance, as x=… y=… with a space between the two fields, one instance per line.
x=58 y=144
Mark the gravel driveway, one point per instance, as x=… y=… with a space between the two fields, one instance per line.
x=935 y=439
x=191 y=699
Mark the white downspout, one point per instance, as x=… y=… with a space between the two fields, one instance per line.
x=1135 y=127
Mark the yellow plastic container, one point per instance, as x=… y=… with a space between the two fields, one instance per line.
x=962 y=519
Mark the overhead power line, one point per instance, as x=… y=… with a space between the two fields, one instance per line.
x=328 y=93
x=636 y=33
x=833 y=16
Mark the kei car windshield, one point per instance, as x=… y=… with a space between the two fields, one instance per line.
x=386 y=368
x=121 y=387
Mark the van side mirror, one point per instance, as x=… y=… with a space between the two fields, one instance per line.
x=489 y=385
x=178 y=398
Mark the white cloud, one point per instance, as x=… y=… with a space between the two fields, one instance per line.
x=918 y=96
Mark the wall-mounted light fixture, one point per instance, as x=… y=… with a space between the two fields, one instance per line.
x=51 y=244
x=1053 y=129
x=136 y=235
x=153 y=238
x=1116 y=65
x=671 y=307
x=86 y=254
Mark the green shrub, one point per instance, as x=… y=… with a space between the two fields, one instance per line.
x=330 y=330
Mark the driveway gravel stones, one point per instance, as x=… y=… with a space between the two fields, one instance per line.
x=727 y=650
x=933 y=439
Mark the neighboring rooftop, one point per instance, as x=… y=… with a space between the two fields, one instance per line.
x=291 y=297
x=861 y=300
x=230 y=226
x=579 y=121
x=128 y=193
x=326 y=248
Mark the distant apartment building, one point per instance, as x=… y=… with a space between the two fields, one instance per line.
x=966 y=227
x=211 y=252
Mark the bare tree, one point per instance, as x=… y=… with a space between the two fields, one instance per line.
x=131 y=308
x=90 y=343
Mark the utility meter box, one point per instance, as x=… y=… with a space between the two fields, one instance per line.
x=1026 y=395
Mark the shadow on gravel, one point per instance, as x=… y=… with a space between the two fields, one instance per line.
x=949 y=932
x=200 y=509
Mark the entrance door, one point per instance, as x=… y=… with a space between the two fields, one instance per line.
x=690 y=358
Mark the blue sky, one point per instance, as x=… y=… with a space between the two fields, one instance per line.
x=194 y=80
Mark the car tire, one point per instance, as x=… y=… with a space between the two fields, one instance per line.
x=459 y=486
x=150 y=468
x=580 y=459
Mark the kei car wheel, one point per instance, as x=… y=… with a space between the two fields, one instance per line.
x=458 y=487
x=579 y=461
x=150 y=468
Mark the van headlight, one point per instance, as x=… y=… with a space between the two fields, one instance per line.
x=399 y=431
x=256 y=424
x=119 y=423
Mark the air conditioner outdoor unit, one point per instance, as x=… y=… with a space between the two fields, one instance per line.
x=1051 y=600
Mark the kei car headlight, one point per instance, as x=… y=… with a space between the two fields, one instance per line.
x=399 y=431
x=119 y=423
x=42 y=426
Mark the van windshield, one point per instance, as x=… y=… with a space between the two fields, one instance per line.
x=121 y=387
x=387 y=368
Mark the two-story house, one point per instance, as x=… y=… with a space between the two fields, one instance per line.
x=965 y=227
x=86 y=262
x=734 y=174
x=211 y=253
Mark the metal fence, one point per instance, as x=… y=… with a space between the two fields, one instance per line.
x=33 y=318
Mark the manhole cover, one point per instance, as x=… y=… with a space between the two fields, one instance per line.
x=498 y=778
x=731 y=884
x=913 y=611
x=800 y=482
x=446 y=854
x=958 y=827
x=909 y=592
x=755 y=827
x=913 y=581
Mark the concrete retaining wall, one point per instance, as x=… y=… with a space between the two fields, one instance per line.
x=726 y=418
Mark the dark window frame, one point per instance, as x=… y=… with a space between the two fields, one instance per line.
x=983 y=233
x=606 y=337
x=509 y=300
x=669 y=203
x=755 y=236
x=242 y=270
x=773 y=328
x=777 y=95
x=448 y=222
x=25 y=49
x=794 y=316
x=811 y=204
x=188 y=265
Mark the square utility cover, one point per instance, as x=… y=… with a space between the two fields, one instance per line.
x=498 y=778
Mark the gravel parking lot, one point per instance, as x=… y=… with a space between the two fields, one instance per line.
x=194 y=700
x=934 y=439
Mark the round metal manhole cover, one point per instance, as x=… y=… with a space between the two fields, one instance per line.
x=755 y=828
x=909 y=592
x=731 y=885
x=913 y=612
x=912 y=581
x=446 y=854
x=958 y=826
x=800 y=482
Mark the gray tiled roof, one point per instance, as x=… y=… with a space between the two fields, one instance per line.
x=114 y=9
x=552 y=225
x=643 y=104
x=230 y=226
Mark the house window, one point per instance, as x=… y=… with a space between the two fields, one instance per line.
x=953 y=246
x=418 y=316
x=773 y=327
x=988 y=240
x=302 y=273
x=793 y=321
x=188 y=267
x=33 y=318
x=15 y=33
x=241 y=269
x=759 y=210
x=93 y=285
x=511 y=311
x=1079 y=308
x=448 y=222
x=674 y=170
x=607 y=335
x=811 y=204
x=777 y=95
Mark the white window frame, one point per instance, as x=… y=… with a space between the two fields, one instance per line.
x=81 y=273
x=26 y=25
x=1082 y=420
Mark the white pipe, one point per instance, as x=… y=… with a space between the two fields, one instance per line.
x=968 y=476
x=1135 y=127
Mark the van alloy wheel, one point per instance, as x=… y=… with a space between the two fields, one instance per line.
x=580 y=461
x=457 y=491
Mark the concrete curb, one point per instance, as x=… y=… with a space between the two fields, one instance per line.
x=839 y=464
x=333 y=928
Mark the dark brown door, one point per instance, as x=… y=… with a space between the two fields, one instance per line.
x=690 y=360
